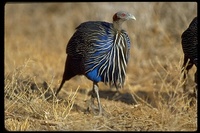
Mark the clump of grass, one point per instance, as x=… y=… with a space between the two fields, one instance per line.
x=27 y=104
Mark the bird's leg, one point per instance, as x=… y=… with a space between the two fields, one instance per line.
x=193 y=95
x=95 y=94
x=96 y=90
x=187 y=65
x=195 y=79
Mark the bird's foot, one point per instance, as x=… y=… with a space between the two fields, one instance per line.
x=92 y=108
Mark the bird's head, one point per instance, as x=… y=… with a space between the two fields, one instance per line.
x=120 y=17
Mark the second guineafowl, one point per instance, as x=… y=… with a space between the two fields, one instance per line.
x=189 y=45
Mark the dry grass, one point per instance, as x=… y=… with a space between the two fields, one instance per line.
x=35 y=40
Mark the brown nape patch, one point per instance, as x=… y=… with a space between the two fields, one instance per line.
x=36 y=36
x=115 y=18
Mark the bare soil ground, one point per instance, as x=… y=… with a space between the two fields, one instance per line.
x=36 y=36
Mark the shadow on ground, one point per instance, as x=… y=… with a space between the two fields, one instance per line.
x=152 y=98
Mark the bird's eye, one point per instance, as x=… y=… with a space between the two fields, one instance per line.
x=123 y=14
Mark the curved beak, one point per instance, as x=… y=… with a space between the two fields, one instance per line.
x=131 y=17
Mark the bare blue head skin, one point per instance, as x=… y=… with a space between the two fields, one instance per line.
x=120 y=17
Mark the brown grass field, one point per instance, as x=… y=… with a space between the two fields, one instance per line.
x=36 y=36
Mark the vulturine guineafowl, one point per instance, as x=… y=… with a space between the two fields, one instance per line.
x=189 y=45
x=100 y=51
